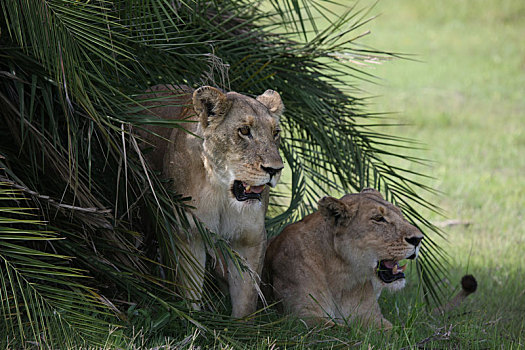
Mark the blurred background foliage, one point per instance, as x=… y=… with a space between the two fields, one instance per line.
x=88 y=231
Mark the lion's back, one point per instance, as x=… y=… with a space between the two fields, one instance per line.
x=164 y=103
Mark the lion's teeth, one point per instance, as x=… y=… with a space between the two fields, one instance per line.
x=394 y=270
x=248 y=188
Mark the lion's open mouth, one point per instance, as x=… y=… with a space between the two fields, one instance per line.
x=242 y=191
x=389 y=271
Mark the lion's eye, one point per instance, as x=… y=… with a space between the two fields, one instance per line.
x=245 y=130
x=379 y=218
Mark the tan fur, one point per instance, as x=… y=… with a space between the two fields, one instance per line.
x=203 y=165
x=323 y=267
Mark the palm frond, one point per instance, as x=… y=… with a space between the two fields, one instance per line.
x=72 y=97
x=42 y=298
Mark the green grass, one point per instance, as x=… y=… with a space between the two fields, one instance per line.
x=464 y=100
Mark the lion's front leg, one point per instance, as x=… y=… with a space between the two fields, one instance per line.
x=192 y=270
x=372 y=317
x=244 y=286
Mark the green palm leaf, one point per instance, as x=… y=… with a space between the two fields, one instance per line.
x=42 y=298
x=72 y=96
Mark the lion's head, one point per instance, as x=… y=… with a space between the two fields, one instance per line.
x=241 y=139
x=372 y=236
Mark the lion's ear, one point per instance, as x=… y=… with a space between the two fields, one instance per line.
x=272 y=101
x=336 y=210
x=210 y=104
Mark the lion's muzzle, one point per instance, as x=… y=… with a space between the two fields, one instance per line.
x=274 y=173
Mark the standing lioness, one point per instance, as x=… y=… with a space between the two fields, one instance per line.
x=224 y=164
x=333 y=264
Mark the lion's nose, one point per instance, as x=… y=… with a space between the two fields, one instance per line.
x=270 y=170
x=415 y=240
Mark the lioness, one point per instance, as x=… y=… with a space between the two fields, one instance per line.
x=225 y=164
x=333 y=264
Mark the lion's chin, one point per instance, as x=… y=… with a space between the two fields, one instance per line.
x=242 y=191
x=397 y=285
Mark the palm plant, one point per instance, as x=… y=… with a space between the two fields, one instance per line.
x=98 y=248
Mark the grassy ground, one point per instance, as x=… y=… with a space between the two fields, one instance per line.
x=464 y=100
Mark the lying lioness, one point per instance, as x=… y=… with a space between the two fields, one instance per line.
x=225 y=163
x=332 y=265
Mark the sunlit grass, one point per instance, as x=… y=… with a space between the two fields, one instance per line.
x=464 y=101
